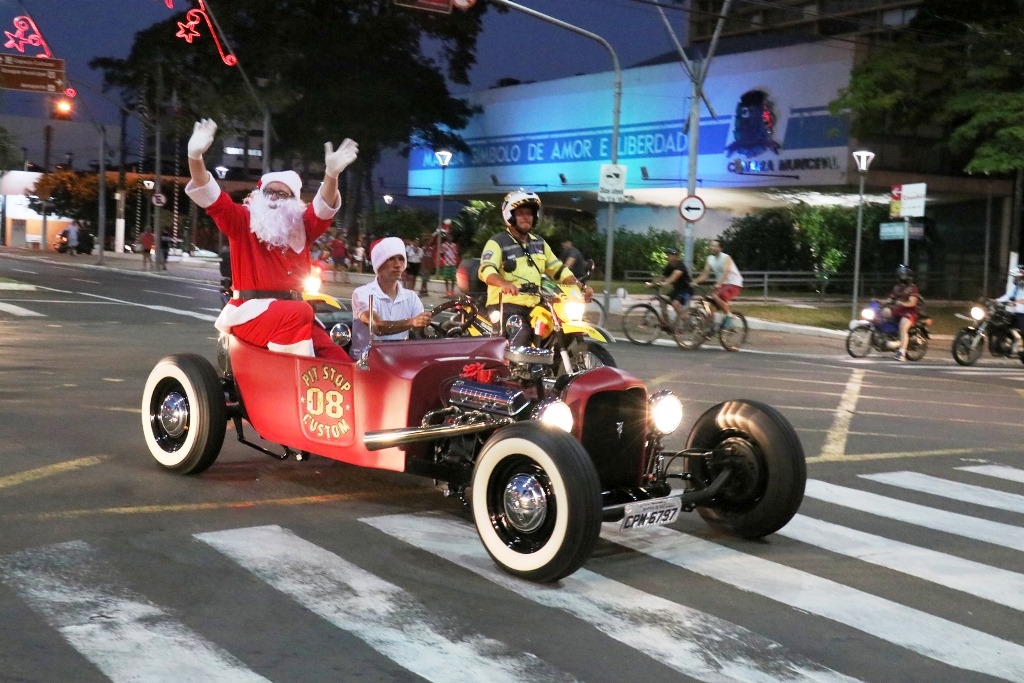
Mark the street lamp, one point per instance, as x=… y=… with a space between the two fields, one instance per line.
x=388 y=199
x=863 y=159
x=444 y=157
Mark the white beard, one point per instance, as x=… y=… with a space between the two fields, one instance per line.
x=277 y=223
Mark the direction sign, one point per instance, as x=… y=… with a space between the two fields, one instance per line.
x=692 y=208
x=34 y=74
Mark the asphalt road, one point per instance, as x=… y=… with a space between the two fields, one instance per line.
x=903 y=564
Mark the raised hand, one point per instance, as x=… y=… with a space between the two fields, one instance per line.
x=337 y=160
x=202 y=138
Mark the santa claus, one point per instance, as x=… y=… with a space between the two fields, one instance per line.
x=269 y=236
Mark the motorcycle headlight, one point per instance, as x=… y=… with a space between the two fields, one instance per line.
x=978 y=313
x=867 y=313
x=311 y=284
x=574 y=310
x=666 y=412
x=555 y=413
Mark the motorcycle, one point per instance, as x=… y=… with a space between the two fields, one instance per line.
x=878 y=330
x=992 y=321
x=85 y=243
x=557 y=323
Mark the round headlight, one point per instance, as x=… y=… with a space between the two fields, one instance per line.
x=311 y=284
x=574 y=310
x=868 y=313
x=555 y=413
x=666 y=411
x=977 y=312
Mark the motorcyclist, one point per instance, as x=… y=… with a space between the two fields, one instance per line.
x=905 y=302
x=1014 y=296
x=515 y=257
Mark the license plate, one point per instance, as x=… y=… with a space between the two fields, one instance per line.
x=651 y=513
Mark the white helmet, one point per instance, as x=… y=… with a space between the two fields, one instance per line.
x=517 y=198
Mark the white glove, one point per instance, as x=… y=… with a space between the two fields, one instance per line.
x=202 y=138
x=337 y=160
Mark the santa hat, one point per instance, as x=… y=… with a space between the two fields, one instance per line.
x=290 y=178
x=383 y=249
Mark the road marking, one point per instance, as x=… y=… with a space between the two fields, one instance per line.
x=835 y=440
x=902 y=454
x=966 y=493
x=125 y=636
x=383 y=615
x=974 y=578
x=996 y=533
x=920 y=632
x=162 y=309
x=19 y=311
x=180 y=296
x=999 y=471
x=51 y=470
x=695 y=643
x=199 y=507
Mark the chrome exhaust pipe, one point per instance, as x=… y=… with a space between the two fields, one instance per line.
x=387 y=438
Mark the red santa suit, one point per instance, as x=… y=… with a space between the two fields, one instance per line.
x=262 y=275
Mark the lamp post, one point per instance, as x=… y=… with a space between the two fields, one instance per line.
x=863 y=159
x=444 y=157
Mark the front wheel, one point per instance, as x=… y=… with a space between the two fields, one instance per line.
x=184 y=416
x=967 y=346
x=768 y=470
x=586 y=355
x=536 y=501
x=858 y=342
x=733 y=333
x=641 y=324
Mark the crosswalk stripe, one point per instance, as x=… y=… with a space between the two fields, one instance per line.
x=19 y=311
x=967 y=493
x=692 y=642
x=998 y=471
x=996 y=533
x=123 y=635
x=380 y=613
x=918 y=631
x=974 y=578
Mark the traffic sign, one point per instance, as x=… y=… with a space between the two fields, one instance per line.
x=611 y=186
x=692 y=208
x=34 y=74
x=159 y=199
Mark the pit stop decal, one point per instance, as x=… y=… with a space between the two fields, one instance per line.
x=326 y=405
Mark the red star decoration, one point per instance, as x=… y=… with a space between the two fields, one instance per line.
x=187 y=31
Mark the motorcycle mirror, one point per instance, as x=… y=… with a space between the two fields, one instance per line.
x=513 y=326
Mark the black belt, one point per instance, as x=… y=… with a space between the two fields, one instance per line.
x=264 y=294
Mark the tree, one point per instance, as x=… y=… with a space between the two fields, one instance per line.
x=327 y=69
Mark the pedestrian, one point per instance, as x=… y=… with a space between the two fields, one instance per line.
x=146 y=244
x=270 y=235
x=413 y=259
x=165 y=249
x=339 y=257
x=427 y=265
x=449 y=261
x=72 y=232
x=359 y=254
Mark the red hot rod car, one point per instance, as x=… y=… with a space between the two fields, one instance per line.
x=541 y=461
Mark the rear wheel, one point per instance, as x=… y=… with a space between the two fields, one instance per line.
x=733 y=336
x=917 y=345
x=689 y=333
x=641 y=324
x=769 y=472
x=967 y=347
x=184 y=417
x=536 y=501
x=858 y=342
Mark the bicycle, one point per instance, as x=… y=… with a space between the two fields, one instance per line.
x=704 y=319
x=645 y=322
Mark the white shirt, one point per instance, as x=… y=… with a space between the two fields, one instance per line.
x=413 y=254
x=406 y=304
x=1014 y=292
x=731 y=274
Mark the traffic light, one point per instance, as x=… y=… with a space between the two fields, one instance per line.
x=62 y=109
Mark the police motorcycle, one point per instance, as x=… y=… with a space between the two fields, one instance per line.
x=557 y=321
x=992 y=321
x=877 y=329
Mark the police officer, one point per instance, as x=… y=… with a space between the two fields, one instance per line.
x=516 y=256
